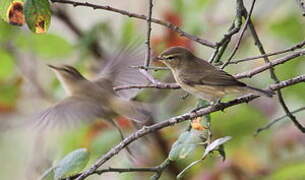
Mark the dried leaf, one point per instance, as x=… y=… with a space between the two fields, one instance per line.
x=37 y=15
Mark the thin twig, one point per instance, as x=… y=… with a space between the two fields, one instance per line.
x=140 y=16
x=269 y=65
x=267 y=126
x=150 y=68
x=234 y=28
x=240 y=36
x=157 y=86
x=148 y=53
x=293 y=48
x=260 y=47
x=120 y=170
x=172 y=121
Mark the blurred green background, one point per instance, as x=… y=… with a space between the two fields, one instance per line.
x=28 y=86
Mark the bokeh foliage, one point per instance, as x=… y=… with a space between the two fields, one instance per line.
x=275 y=154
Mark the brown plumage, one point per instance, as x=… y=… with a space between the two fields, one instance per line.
x=90 y=100
x=201 y=78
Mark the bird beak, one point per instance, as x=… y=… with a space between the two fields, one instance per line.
x=158 y=58
x=54 y=67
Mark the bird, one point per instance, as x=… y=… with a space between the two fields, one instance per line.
x=200 y=78
x=90 y=100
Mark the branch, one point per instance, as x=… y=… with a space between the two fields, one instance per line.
x=240 y=36
x=261 y=49
x=269 y=65
x=148 y=54
x=150 y=68
x=293 y=48
x=178 y=119
x=267 y=126
x=234 y=28
x=158 y=170
x=157 y=86
x=140 y=16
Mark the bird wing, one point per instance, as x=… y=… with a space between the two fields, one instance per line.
x=68 y=112
x=203 y=73
x=119 y=71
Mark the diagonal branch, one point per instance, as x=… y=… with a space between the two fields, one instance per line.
x=178 y=119
x=240 y=36
x=261 y=49
x=293 y=48
x=140 y=16
x=267 y=126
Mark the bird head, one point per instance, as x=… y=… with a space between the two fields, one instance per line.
x=175 y=56
x=68 y=76
x=66 y=72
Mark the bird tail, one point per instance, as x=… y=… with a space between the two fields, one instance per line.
x=260 y=91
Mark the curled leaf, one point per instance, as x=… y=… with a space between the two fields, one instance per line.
x=37 y=15
x=15 y=14
x=215 y=144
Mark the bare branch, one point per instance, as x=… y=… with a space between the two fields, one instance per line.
x=148 y=53
x=267 y=126
x=240 y=36
x=157 y=86
x=269 y=65
x=150 y=68
x=172 y=121
x=260 y=47
x=293 y=48
x=140 y=16
x=234 y=28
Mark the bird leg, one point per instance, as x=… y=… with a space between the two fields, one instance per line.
x=116 y=125
x=218 y=104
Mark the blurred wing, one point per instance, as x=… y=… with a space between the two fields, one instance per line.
x=136 y=111
x=68 y=112
x=118 y=69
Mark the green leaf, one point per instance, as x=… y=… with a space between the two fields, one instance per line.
x=72 y=164
x=45 y=45
x=37 y=15
x=215 y=144
x=6 y=64
x=184 y=145
x=48 y=174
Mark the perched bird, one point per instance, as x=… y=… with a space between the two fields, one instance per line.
x=90 y=100
x=201 y=78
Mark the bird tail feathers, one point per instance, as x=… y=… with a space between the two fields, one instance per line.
x=260 y=91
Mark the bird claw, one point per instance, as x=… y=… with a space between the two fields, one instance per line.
x=220 y=105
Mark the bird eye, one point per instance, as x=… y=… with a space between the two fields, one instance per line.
x=170 y=57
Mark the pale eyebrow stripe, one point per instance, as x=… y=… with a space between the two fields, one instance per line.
x=170 y=55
